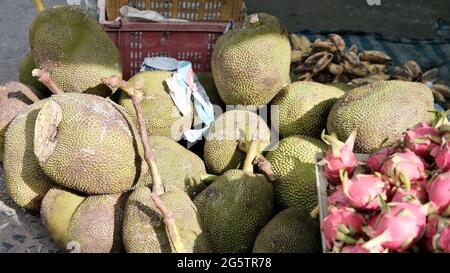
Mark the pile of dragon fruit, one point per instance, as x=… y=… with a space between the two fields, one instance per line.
x=396 y=201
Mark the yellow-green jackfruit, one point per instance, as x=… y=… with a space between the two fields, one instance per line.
x=161 y=115
x=251 y=65
x=380 y=112
x=293 y=163
x=24 y=180
x=303 y=108
x=83 y=142
x=221 y=151
x=74 y=49
x=290 y=231
x=25 y=74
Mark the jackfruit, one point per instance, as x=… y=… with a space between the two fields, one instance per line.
x=144 y=230
x=207 y=81
x=234 y=208
x=178 y=165
x=221 y=151
x=251 y=65
x=290 y=231
x=343 y=86
x=58 y=207
x=74 y=49
x=96 y=225
x=25 y=75
x=14 y=99
x=303 y=108
x=161 y=115
x=25 y=182
x=83 y=142
x=293 y=163
x=381 y=112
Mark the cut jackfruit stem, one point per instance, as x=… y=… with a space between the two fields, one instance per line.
x=169 y=222
x=208 y=178
x=265 y=166
x=45 y=78
x=39 y=4
x=149 y=155
x=315 y=212
x=251 y=155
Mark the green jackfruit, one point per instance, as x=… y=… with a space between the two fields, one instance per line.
x=251 y=65
x=14 y=99
x=290 y=231
x=24 y=180
x=178 y=165
x=74 y=49
x=304 y=106
x=83 y=142
x=221 y=151
x=26 y=67
x=234 y=208
x=293 y=163
x=96 y=225
x=343 y=86
x=161 y=115
x=381 y=112
x=145 y=232
x=58 y=207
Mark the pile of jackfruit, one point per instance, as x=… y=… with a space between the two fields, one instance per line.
x=104 y=166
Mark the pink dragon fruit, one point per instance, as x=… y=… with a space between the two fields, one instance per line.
x=417 y=191
x=404 y=167
x=341 y=225
x=439 y=193
x=363 y=190
x=337 y=198
x=441 y=156
x=340 y=156
x=398 y=227
x=437 y=234
x=422 y=139
x=376 y=160
x=360 y=248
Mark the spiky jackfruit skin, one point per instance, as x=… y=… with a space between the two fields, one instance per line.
x=14 y=99
x=161 y=115
x=74 y=49
x=303 y=108
x=343 y=86
x=26 y=67
x=96 y=148
x=251 y=65
x=380 y=112
x=221 y=151
x=178 y=165
x=58 y=207
x=25 y=182
x=233 y=210
x=290 y=231
x=293 y=163
x=96 y=225
x=145 y=232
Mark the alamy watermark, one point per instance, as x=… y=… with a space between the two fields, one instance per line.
x=373 y=2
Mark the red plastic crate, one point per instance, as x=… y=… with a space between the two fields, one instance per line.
x=193 y=41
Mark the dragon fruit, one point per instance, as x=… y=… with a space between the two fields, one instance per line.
x=422 y=139
x=398 y=227
x=376 y=160
x=439 y=193
x=417 y=191
x=441 y=156
x=341 y=225
x=437 y=234
x=340 y=156
x=363 y=190
x=337 y=198
x=404 y=167
x=360 y=248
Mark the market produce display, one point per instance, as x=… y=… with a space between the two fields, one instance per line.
x=98 y=157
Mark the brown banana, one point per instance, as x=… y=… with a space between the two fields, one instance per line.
x=374 y=56
x=301 y=43
x=324 y=46
x=338 y=42
x=413 y=69
x=323 y=63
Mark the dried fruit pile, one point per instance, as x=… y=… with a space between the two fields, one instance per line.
x=396 y=201
x=330 y=61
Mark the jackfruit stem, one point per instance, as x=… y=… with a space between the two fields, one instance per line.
x=265 y=166
x=45 y=78
x=169 y=223
x=39 y=4
x=149 y=156
x=253 y=151
x=208 y=178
